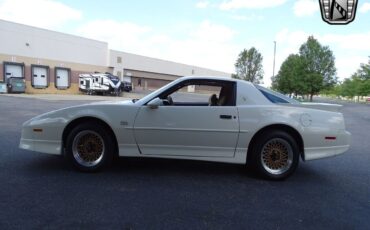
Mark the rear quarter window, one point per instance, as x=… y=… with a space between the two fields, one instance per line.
x=273 y=98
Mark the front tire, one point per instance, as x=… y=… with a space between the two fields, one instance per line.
x=275 y=155
x=89 y=147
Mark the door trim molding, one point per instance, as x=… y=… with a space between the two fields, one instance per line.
x=184 y=129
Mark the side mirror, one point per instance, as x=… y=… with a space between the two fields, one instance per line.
x=155 y=103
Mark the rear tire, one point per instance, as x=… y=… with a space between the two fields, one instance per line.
x=89 y=147
x=275 y=155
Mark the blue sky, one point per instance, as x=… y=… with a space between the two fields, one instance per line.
x=200 y=32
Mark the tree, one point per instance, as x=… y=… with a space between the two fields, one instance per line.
x=364 y=71
x=359 y=83
x=289 y=79
x=319 y=70
x=348 y=88
x=248 y=66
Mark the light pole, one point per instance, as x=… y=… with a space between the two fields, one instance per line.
x=273 y=67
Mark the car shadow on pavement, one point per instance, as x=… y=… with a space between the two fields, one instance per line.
x=172 y=166
x=122 y=166
x=161 y=167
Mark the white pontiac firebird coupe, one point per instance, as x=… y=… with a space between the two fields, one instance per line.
x=236 y=122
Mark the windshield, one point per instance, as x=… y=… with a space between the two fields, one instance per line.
x=112 y=77
x=156 y=92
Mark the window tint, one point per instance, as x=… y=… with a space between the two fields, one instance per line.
x=273 y=98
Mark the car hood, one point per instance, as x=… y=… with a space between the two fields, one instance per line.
x=67 y=111
x=125 y=102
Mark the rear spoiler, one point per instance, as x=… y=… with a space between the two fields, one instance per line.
x=320 y=106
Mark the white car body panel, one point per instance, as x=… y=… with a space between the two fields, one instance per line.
x=186 y=132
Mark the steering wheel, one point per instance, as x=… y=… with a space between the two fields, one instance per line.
x=170 y=101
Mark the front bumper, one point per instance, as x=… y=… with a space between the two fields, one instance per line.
x=43 y=146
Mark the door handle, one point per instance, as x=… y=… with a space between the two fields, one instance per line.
x=226 y=116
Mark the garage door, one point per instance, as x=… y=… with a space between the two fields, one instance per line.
x=39 y=76
x=62 y=78
x=13 y=71
x=127 y=79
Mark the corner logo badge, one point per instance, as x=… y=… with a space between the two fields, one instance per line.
x=338 y=12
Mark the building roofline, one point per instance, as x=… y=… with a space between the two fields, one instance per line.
x=173 y=62
x=53 y=31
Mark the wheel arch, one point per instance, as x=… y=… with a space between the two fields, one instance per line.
x=281 y=127
x=72 y=124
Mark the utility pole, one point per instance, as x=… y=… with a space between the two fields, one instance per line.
x=273 y=68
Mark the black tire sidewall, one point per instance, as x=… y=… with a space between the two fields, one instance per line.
x=108 y=145
x=257 y=150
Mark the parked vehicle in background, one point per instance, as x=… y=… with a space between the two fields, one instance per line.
x=16 y=85
x=100 y=83
x=126 y=86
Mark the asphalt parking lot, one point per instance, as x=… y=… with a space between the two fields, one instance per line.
x=40 y=191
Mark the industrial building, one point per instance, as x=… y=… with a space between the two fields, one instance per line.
x=50 y=62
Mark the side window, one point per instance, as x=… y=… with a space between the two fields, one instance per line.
x=196 y=95
x=201 y=93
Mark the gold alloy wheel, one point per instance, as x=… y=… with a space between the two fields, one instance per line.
x=88 y=148
x=277 y=156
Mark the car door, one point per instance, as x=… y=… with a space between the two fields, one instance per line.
x=187 y=130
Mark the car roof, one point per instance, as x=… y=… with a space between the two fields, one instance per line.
x=214 y=78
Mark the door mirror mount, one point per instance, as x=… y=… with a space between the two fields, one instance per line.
x=155 y=103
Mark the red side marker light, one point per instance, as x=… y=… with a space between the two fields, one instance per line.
x=330 y=138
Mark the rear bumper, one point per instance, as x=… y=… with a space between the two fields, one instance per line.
x=342 y=145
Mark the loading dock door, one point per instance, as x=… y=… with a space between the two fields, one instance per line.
x=127 y=79
x=13 y=71
x=39 y=76
x=62 y=78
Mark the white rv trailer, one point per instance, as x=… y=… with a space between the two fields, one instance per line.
x=104 y=83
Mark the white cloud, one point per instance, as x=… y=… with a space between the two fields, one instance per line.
x=117 y=34
x=41 y=13
x=349 y=64
x=250 y=4
x=290 y=41
x=202 y=4
x=305 y=7
x=365 y=7
x=208 y=31
x=206 y=44
x=352 y=42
